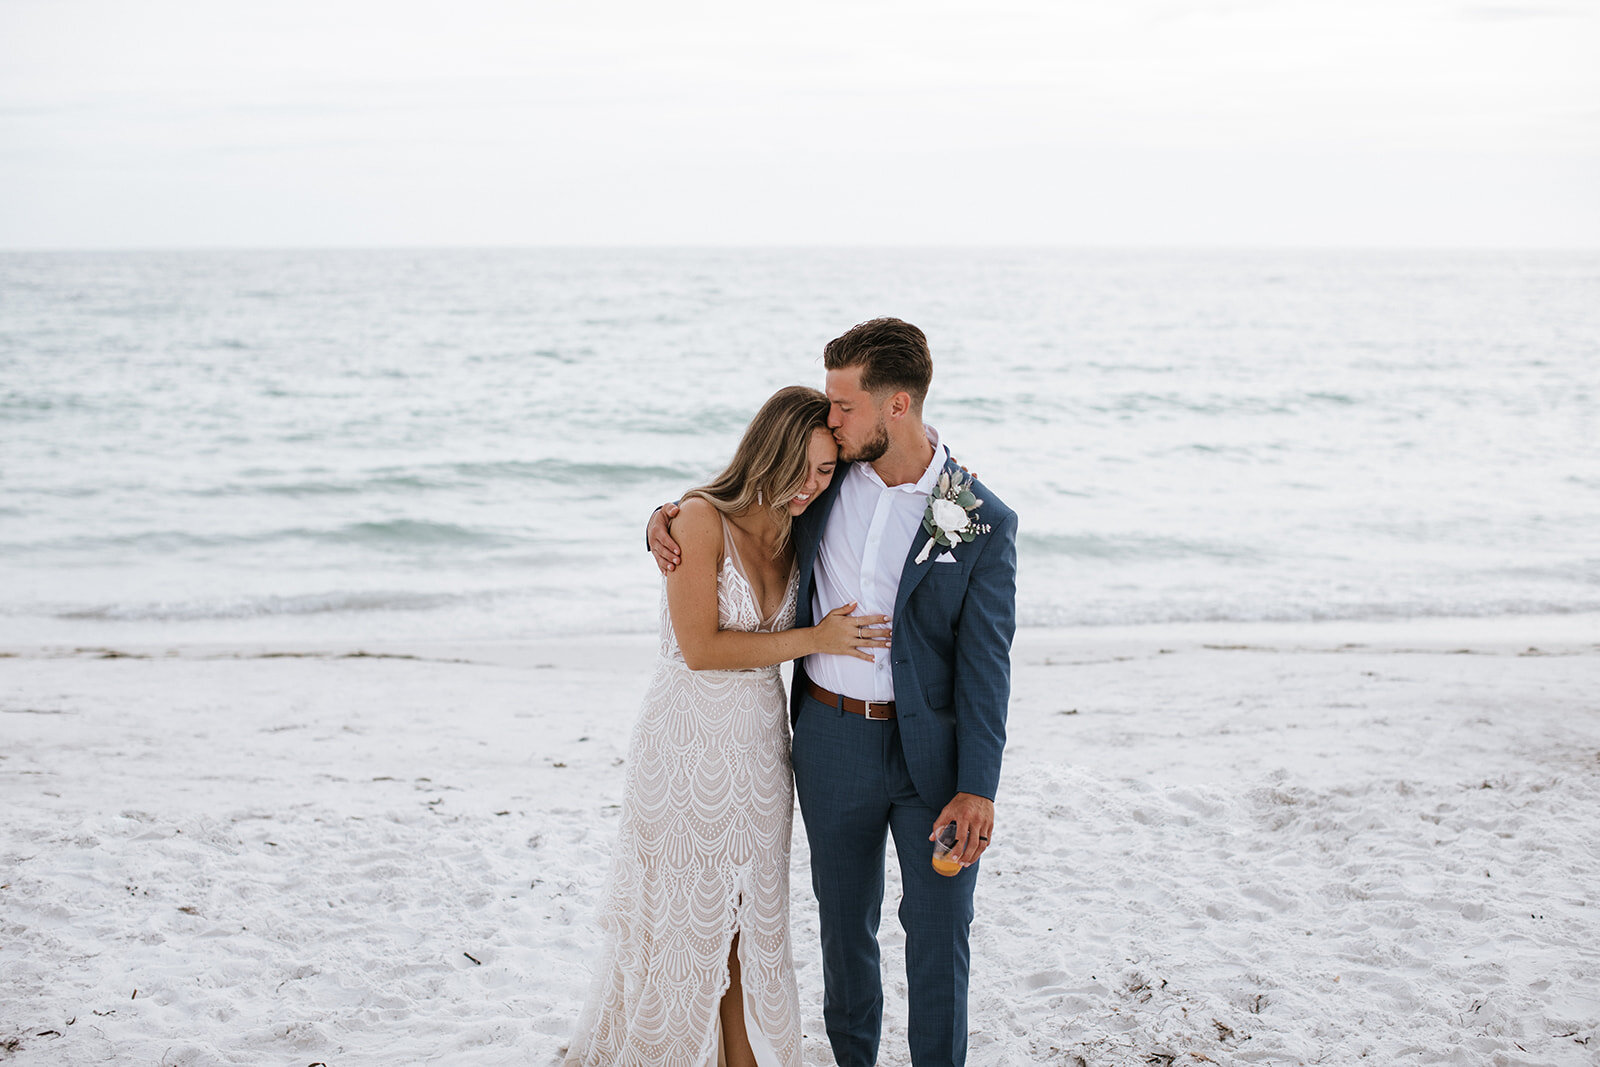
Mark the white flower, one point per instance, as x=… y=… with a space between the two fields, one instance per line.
x=950 y=517
x=949 y=514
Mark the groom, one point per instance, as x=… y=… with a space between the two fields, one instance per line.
x=911 y=741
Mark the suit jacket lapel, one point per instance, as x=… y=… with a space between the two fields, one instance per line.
x=913 y=572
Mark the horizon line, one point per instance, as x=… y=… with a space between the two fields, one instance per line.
x=804 y=246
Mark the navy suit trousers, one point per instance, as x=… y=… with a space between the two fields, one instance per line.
x=854 y=789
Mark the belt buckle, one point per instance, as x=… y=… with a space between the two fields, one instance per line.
x=866 y=709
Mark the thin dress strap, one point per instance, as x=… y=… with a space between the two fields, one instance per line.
x=731 y=550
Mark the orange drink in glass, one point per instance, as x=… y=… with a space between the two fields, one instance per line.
x=944 y=849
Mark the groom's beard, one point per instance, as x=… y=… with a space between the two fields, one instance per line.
x=873 y=449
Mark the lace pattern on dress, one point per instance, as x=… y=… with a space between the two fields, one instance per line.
x=702 y=854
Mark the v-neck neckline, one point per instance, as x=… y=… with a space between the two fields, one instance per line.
x=737 y=561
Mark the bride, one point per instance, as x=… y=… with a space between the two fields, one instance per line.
x=696 y=969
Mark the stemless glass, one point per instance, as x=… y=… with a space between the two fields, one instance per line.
x=944 y=848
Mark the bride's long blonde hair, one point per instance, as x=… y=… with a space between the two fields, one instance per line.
x=771 y=463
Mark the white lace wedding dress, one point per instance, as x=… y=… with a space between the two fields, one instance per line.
x=702 y=854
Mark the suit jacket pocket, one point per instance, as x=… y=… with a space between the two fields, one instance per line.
x=946 y=583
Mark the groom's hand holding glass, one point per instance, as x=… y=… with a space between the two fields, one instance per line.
x=974 y=819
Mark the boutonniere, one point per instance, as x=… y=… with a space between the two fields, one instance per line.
x=951 y=518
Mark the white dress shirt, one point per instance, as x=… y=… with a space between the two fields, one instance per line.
x=865 y=541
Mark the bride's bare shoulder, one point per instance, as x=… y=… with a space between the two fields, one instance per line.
x=698 y=521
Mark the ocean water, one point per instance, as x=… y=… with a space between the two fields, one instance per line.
x=465 y=444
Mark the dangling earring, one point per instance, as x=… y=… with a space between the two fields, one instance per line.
x=758 y=498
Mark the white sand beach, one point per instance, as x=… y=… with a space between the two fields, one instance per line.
x=1327 y=843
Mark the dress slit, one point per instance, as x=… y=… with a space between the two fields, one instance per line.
x=760 y=1043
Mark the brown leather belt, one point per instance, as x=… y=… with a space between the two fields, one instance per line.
x=872 y=709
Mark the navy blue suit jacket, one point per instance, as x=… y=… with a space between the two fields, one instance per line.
x=951 y=650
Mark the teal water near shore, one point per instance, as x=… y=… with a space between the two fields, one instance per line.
x=464 y=444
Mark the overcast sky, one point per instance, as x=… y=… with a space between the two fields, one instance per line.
x=129 y=123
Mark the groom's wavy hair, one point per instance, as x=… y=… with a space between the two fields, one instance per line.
x=773 y=458
x=892 y=354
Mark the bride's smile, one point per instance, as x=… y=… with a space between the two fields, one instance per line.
x=822 y=455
